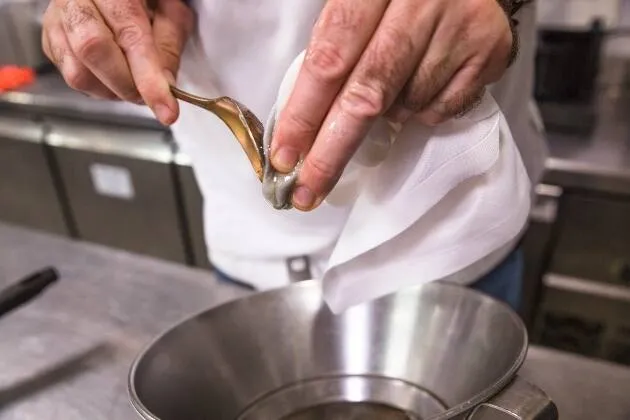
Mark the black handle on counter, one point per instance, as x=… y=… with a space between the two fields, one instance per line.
x=26 y=289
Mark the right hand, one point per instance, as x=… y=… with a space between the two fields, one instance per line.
x=111 y=49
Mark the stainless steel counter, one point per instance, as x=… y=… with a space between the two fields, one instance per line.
x=66 y=355
x=49 y=95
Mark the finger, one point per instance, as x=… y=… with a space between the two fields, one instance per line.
x=76 y=75
x=132 y=31
x=462 y=94
x=92 y=42
x=448 y=50
x=339 y=37
x=172 y=25
x=384 y=67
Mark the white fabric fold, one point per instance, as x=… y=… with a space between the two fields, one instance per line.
x=442 y=199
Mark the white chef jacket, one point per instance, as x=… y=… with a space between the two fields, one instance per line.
x=241 y=49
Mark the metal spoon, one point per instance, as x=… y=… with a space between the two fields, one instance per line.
x=245 y=126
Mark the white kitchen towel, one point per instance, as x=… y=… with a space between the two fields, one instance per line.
x=442 y=199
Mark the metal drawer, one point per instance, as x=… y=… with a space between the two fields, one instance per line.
x=192 y=202
x=28 y=193
x=594 y=239
x=120 y=187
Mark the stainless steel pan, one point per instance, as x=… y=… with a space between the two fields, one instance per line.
x=433 y=352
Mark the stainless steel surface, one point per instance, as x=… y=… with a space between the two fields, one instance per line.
x=599 y=162
x=120 y=187
x=583 y=389
x=28 y=193
x=50 y=95
x=585 y=317
x=280 y=352
x=66 y=356
x=593 y=240
x=577 y=285
x=519 y=400
x=20 y=34
x=192 y=202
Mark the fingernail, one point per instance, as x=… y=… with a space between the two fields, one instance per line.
x=303 y=198
x=164 y=113
x=401 y=115
x=285 y=159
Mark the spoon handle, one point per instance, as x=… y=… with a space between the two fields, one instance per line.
x=190 y=98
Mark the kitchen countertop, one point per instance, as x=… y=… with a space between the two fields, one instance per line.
x=66 y=355
x=50 y=95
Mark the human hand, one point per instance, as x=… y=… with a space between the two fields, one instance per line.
x=429 y=59
x=112 y=49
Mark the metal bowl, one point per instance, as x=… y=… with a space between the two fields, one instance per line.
x=437 y=351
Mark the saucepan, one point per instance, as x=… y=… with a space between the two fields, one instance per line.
x=437 y=351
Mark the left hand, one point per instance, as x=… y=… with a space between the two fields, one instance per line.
x=398 y=58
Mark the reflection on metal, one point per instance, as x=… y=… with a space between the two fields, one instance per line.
x=110 y=140
x=588 y=287
x=236 y=362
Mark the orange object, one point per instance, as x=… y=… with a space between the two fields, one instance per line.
x=14 y=77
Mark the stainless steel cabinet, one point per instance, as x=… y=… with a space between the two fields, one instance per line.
x=585 y=306
x=120 y=187
x=192 y=202
x=28 y=193
x=594 y=238
x=537 y=247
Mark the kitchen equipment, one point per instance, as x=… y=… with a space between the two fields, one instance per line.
x=27 y=289
x=589 y=268
x=247 y=129
x=29 y=193
x=120 y=186
x=438 y=351
x=567 y=66
x=21 y=34
x=192 y=202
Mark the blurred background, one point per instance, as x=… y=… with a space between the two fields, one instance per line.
x=107 y=173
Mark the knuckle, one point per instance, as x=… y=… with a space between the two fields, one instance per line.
x=364 y=100
x=170 y=53
x=395 y=41
x=129 y=36
x=326 y=63
x=426 y=83
x=77 y=77
x=300 y=126
x=57 y=55
x=323 y=172
x=91 y=47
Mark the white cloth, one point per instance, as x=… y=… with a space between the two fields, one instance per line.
x=442 y=199
x=242 y=49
